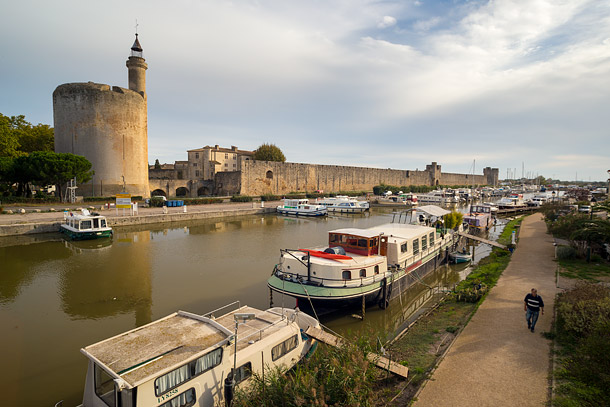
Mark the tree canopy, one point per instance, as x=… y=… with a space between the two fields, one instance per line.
x=269 y=152
x=18 y=137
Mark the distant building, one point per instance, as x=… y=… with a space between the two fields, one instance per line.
x=206 y=162
x=197 y=176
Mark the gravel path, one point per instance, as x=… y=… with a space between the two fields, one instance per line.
x=496 y=360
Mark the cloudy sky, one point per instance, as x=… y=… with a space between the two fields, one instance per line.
x=522 y=85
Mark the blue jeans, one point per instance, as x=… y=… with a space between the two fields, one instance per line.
x=531 y=317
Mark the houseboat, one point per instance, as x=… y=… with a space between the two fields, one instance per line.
x=479 y=217
x=438 y=198
x=187 y=359
x=301 y=207
x=85 y=226
x=371 y=265
x=344 y=204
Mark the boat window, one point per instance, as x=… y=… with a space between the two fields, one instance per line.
x=85 y=224
x=424 y=242
x=102 y=223
x=104 y=386
x=283 y=348
x=346 y=275
x=243 y=372
x=96 y=223
x=404 y=247
x=362 y=272
x=185 y=399
x=352 y=241
x=377 y=269
x=415 y=246
x=431 y=238
x=362 y=243
x=334 y=238
x=186 y=372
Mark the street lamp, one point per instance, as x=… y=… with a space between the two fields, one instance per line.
x=239 y=318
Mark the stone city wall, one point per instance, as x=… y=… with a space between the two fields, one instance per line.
x=266 y=177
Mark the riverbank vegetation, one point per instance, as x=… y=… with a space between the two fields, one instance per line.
x=582 y=333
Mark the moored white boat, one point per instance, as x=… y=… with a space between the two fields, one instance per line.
x=344 y=204
x=301 y=207
x=437 y=197
x=85 y=226
x=185 y=359
x=375 y=264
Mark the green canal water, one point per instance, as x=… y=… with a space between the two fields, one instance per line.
x=58 y=296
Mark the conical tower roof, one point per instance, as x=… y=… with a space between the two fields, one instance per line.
x=136 y=45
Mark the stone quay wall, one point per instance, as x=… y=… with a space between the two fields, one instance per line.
x=267 y=177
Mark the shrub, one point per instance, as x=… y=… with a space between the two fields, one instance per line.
x=566 y=252
x=270 y=197
x=241 y=198
x=332 y=376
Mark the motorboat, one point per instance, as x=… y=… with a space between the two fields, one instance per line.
x=371 y=265
x=85 y=225
x=301 y=207
x=438 y=197
x=344 y=204
x=460 y=257
x=186 y=359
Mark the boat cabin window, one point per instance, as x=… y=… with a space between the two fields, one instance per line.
x=283 y=348
x=377 y=269
x=186 y=399
x=415 y=246
x=357 y=244
x=424 y=242
x=404 y=247
x=104 y=386
x=102 y=223
x=362 y=273
x=431 y=238
x=96 y=223
x=243 y=372
x=187 y=372
x=85 y=224
x=346 y=275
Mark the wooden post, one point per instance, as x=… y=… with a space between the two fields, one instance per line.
x=270 y=298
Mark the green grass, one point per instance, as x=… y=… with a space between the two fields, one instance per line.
x=594 y=271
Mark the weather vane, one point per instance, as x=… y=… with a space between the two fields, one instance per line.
x=136 y=26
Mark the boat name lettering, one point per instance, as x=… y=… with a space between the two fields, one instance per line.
x=167 y=395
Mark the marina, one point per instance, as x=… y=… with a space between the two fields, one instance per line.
x=79 y=293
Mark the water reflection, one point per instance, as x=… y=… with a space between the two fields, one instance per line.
x=109 y=282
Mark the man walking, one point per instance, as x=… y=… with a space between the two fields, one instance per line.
x=533 y=305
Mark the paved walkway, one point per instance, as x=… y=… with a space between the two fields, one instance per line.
x=496 y=360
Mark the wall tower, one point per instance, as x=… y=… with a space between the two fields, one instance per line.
x=108 y=126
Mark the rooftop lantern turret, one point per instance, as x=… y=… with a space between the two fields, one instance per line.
x=136 y=48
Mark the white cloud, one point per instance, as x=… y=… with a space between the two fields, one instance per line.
x=386 y=21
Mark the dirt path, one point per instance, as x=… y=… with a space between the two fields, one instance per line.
x=496 y=360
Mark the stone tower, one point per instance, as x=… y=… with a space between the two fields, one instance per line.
x=108 y=126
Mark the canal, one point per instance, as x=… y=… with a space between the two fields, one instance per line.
x=58 y=296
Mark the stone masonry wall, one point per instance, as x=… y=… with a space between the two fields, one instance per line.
x=266 y=177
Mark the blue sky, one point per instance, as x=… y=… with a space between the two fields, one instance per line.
x=388 y=84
